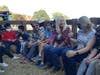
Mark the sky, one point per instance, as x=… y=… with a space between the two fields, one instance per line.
x=71 y=8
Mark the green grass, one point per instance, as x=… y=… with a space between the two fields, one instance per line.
x=16 y=68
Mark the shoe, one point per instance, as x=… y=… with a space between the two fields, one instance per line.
x=4 y=64
x=15 y=57
x=2 y=71
x=47 y=67
x=41 y=65
x=37 y=63
x=38 y=57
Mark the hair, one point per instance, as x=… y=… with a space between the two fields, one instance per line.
x=57 y=20
x=7 y=25
x=86 y=20
x=35 y=23
x=22 y=27
x=46 y=23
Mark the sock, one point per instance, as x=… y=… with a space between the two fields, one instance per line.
x=40 y=54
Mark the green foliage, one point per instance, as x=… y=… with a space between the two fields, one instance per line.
x=40 y=15
x=4 y=8
x=1 y=19
x=56 y=14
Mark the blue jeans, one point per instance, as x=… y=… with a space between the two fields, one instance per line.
x=4 y=51
x=56 y=53
x=84 y=66
x=32 y=51
x=47 y=54
x=9 y=43
x=69 y=64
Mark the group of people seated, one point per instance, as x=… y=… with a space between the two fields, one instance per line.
x=54 y=45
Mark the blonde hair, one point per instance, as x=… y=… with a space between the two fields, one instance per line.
x=57 y=19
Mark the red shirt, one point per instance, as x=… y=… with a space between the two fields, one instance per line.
x=6 y=35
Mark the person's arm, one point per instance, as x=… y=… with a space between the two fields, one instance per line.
x=88 y=46
x=73 y=40
x=92 y=59
x=55 y=44
x=92 y=54
x=83 y=50
x=97 y=56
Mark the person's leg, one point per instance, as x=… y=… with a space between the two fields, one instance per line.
x=24 y=50
x=1 y=54
x=31 y=51
x=68 y=64
x=97 y=68
x=41 y=54
x=7 y=49
x=1 y=57
x=18 y=44
x=90 y=69
x=56 y=53
x=82 y=68
x=47 y=54
x=40 y=49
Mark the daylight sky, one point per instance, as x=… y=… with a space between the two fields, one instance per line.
x=71 y=8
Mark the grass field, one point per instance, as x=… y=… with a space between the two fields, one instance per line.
x=16 y=68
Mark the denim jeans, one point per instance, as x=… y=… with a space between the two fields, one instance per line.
x=56 y=53
x=69 y=64
x=47 y=54
x=97 y=67
x=9 y=43
x=88 y=68
x=32 y=51
x=23 y=48
x=4 y=51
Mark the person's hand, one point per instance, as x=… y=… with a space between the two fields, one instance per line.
x=13 y=40
x=70 y=34
x=29 y=44
x=9 y=40
x=70 y=53
x=88 y=61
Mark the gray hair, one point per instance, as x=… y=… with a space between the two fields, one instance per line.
x=86 y=20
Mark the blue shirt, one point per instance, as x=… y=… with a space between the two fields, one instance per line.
x=47 y=33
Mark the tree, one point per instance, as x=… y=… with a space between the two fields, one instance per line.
x=40 y=15
x=4 y=8
x=56 y=14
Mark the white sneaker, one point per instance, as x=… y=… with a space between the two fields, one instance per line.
x=2 y=71
x=15 y=57
x=4 y=64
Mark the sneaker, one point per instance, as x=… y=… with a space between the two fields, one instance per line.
x=4 y=64
x=38 y=57
x=25 y=60
x=47 y=67
x=2 y=71
x=41 y=65
x=15 y=57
